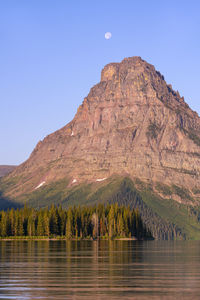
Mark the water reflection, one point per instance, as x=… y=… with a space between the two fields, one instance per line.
x=100 y=269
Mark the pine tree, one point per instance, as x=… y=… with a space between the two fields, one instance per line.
x=111 y=221
x=40 y=224
x=79 y=222
x=75 y=222
x=120 y=225
x=61 y=220
x=31 y=226
x=12 y=222
x=53 y=221
x=16 y=217
x=69 y=224
x=125 y=220
x=46 y=222
x=25 y=215
x=21 y=224
x=95 y=225
x=3 y=224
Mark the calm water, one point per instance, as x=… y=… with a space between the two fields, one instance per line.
x=99 y=270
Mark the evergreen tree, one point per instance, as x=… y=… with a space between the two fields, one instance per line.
x=31 y=226
x=3 y=224
x=16 y=217
x=95 y=225
x=111 y=221
x=78 y=222
x=53 y=221
x=46 y=222
x=120 y=225
x=21 y=226
x=69 y=224
x=40 y=224
x=61 y=220
x=11 y=222
x=75 y=222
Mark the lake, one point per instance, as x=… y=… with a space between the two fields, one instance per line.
x=99 y=270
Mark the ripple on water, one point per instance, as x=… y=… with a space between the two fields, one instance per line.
x=100 y=270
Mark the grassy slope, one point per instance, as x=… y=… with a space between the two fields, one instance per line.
x=174 y=212
x=83 y=194
x=122 y=190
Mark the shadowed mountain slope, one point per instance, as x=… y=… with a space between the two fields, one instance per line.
x=6 y=169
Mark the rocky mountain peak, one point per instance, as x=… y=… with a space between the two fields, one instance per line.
x=117 y=71
x=135 y=79
x=132 y=122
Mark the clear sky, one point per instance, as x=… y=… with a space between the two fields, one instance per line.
x=52 y=53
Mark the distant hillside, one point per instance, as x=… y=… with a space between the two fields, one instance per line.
x=4 y=170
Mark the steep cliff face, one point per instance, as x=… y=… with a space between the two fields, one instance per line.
x=131 y=124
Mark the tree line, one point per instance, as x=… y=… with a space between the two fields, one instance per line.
x=160 y=228
x=75 y=222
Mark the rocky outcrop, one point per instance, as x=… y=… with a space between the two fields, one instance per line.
x=132 y=123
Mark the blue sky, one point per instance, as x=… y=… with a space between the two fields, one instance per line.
x=52 y=53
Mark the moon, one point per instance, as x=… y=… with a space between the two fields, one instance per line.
x=108 y=35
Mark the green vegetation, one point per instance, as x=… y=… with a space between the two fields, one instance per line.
x=152 y=209
x=83 y=194
x=9 y=183
x=196 y=191
x=100 y=221
x=153 y=130
x=191 y=134
x=54 y=193
x=194 y=138
x=166 y=190
x=181 y=192
x=172 y=216
x=164 y=218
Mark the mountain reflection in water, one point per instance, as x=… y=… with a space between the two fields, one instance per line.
x=99 y=270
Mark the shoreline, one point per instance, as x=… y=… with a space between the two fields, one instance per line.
x=64 y=239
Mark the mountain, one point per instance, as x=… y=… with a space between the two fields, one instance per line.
x=133 y=140
x=5 y=169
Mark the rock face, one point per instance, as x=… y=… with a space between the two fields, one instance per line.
x=132 y=123
x=6 y=169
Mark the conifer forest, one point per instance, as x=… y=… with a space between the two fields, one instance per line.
x=87 y=222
